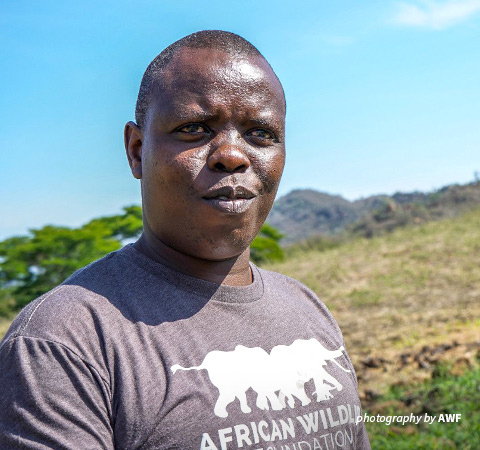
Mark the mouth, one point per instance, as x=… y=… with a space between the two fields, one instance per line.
x=230 y=199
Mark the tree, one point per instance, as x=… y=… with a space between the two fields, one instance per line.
x=121 y=226
x=266 y=247
x=32 y=265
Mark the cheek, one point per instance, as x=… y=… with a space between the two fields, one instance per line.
x=270 y=172
x=173 y=175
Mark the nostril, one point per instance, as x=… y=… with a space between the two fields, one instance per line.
x=228 y=159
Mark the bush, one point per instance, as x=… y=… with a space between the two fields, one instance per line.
x=265 y=247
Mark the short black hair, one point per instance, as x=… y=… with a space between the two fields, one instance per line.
x=215 y=39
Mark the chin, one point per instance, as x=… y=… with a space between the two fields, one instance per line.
x=221 y=254
x=223 y=243
x=221 y=251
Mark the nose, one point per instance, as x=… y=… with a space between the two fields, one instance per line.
x=228 y=158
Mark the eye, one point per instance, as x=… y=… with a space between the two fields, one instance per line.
x=193 y=128
x=260 y=133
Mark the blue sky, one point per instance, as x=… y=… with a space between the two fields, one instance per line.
x=382 y=96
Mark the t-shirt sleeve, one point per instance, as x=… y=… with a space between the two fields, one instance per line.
x=363 y=442
x=51 y=398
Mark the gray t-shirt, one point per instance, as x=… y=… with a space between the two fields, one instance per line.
x=130 y=354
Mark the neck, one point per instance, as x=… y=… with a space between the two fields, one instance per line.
x=232 y=272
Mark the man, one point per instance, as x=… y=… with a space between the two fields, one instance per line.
x=178 y=341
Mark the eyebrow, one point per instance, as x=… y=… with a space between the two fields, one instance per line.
x=189 y=110
x=192 y=115
x=263 y=122
x=268 y=120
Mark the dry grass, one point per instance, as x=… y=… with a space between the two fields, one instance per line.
x=4 y=324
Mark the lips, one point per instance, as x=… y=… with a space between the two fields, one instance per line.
x=230 y=199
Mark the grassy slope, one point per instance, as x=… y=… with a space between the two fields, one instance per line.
x=396 y=293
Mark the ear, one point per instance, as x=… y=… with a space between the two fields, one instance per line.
x=133 y=137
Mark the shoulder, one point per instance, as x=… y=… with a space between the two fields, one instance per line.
x=73 y=311
x=290 y=291
x=105 y=270
x=271 y=278
x=285 y=286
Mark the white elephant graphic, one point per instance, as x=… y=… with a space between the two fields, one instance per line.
x=231 y=373
x=277 y=378
x=302 y=361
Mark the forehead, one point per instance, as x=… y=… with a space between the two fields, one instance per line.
x=213 y=78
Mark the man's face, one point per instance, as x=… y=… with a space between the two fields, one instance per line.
x=212 y=153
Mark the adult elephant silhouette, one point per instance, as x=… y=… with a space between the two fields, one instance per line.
x=277 y=378
x=300 y=362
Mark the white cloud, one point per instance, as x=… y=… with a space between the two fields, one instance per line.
x=435 y=15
